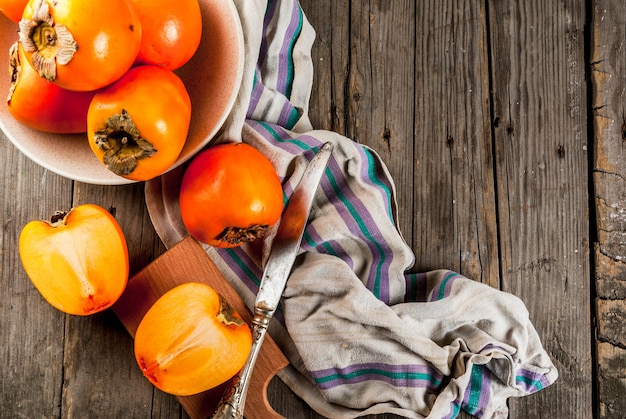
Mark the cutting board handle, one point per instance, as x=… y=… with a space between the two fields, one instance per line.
x=185 y=262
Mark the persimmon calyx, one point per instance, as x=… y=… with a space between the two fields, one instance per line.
x=14 y=69
x=237 y=235
x=50 y=44
x=227 y=314
x=122 y=144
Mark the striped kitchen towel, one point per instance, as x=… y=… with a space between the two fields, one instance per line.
x=364 y=334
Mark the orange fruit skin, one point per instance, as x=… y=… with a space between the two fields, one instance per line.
x=183 y=347
x=159 y=104
x=172 y=30
x=108 y=34
x=13 y=9
x=79 y=266
x=44 y=106
x=229 y=185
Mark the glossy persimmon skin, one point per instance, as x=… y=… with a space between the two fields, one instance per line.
x=159 y=105
x=171 y=31
x=108 y=35
x=229 y=185
x=183 y=347
x=44 y=106
x=80 y=266
x=13 y=9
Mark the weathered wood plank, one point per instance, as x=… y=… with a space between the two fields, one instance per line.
x=380 y=86
x=31 y=331
x=454 y=212
x=611 y=380
x=608 y=65
x=454 y=195
x=330 y=56
x=540 y=98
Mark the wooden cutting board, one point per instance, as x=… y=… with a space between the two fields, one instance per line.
x=187 y=262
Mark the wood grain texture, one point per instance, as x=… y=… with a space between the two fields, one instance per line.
x=539 y=91
x=31 y=331
x=497 y=143
x=608 y=74
x=454 y=213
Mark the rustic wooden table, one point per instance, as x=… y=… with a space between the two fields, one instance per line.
x=503 y=124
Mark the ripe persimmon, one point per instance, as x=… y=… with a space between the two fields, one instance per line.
x=171 y=31
x=138 y=125
x=78 y=261
x=41 y=104
x=191 y=340
x=80 y=45
x=230 y=194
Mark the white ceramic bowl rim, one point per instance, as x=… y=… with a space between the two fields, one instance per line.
x=70 y=155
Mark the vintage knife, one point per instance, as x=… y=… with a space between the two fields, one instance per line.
x=283 y=253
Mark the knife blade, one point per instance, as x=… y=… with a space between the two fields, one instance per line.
x=286 y=243
x=283 y=252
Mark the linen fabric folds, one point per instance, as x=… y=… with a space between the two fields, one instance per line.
x=363 y=334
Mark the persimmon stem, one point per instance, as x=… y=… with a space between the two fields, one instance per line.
x=227 y=314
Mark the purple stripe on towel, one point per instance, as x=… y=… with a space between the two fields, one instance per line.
x=269 y=15
x=442 y=290
x=257 y=91
x=331 y=247
x=531 y=381
x=285 y=59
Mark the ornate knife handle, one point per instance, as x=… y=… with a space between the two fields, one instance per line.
x=234 y=399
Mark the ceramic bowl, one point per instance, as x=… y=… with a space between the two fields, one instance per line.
x=212 y=77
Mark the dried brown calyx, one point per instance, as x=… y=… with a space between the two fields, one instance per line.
x=122 y=144
x=14 y=69
x=238 y=235
x=50 y=44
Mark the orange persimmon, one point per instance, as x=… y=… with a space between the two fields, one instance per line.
x=41 y=104
x=230 y=194
x=80 y=45
x=138 y=125
x=171 y=31
x=191 y=340
x=78 y=260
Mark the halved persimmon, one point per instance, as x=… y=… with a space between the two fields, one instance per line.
x=78 y=260
x=191 y=340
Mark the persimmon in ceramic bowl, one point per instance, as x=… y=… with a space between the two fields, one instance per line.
x=212 y=78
